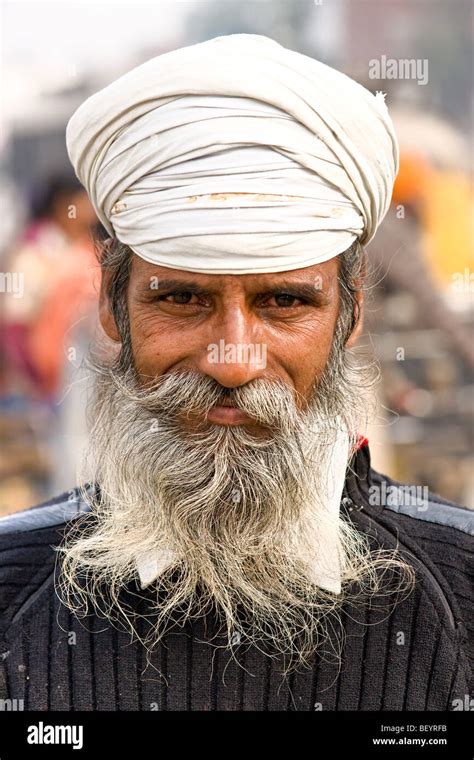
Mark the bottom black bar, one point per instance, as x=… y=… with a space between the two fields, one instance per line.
x=146 y=734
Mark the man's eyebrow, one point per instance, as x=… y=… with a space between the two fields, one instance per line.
x=187 y=285
x=298 y=288
x=302 y=289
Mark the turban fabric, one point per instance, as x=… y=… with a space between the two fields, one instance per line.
x=235 y=156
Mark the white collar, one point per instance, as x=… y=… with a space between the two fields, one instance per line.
x=326 y=566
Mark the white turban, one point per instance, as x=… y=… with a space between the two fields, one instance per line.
x=236 y=156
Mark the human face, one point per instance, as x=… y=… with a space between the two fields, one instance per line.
x=176 y=317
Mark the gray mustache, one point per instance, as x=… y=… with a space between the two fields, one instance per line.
x=270 y=401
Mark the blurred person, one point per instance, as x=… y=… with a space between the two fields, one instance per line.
x=55 y=254
x=402 y=251
x=406 y=258
x=232 y=548
x=46 y=331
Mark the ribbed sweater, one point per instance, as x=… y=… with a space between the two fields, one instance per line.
x=415 y=654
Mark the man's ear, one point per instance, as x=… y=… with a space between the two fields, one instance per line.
x=356 y=332
x=106 y=315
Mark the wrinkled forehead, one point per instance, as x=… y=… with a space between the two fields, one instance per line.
x=146 y=275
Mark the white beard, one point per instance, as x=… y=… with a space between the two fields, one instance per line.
x=248 y=523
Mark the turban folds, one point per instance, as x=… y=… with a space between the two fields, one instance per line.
x=236 y=156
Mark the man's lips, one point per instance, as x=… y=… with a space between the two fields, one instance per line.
x=228 y=415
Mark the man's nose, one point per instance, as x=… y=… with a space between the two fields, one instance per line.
x=234 y=355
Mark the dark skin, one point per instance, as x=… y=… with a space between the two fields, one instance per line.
x=172 y=323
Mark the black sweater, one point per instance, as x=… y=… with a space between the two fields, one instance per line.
x=416 y=655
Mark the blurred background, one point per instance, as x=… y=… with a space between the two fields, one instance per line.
x=420 y=315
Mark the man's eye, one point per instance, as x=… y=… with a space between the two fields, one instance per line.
x=285 y=299
x=183 y=297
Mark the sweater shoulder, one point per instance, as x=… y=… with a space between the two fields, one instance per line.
x=422 y=513
x=439 y=532
x=27 y=550
x=441 y=529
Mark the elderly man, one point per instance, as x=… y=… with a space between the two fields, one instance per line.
x=232 y=548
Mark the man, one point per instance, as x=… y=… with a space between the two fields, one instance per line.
x=233 y=549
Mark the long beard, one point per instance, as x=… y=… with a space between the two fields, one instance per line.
x=240 y=513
